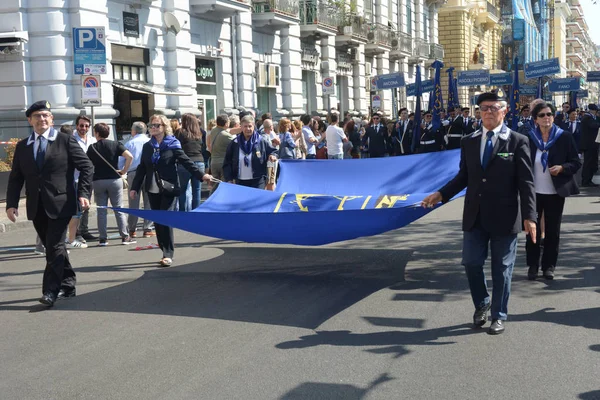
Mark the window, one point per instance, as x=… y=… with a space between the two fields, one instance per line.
x=409 y=17
x=129 y=73
x=426 y=23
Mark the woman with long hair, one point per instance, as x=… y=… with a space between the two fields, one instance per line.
x=190 y=136
x=555 y=162
x=287 y=137
x=160 y=158
x=301 y=149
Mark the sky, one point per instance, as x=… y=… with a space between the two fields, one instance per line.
x=591 y=12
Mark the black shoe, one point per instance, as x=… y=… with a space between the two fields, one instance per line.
x=496 y=328
x=62 y=294
x=480 y=317
x=532 y=273
x=548 y=274
x=48 y=299
x=89 y=236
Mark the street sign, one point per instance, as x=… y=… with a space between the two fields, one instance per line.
x=89 y=50
x=501 y=79
x=328 y=86
x=528 y=90
x=474 y=78
x=390 y=81
x=427 y=86
x=376 y=101
x=583 y=94
x=90 y=90
x=542 y=68
x=373 y=83
x=593 y=76
x=564 y=85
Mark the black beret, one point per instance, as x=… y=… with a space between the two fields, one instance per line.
x=487 y=96
x=427 y=113
x=465 y=109
x=41 y=105
x=593 y=107
x=524 y=108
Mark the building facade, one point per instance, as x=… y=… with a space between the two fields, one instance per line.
x=211 y=56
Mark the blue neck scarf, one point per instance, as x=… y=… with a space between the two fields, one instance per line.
x=247 y=145
x=168 y=142
x=536 y=135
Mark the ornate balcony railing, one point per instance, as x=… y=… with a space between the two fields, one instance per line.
x=286 y=7
x=379 y=34
x=436 y=51
x=421 y=48
x=314 y=12
x=402 y=42
x=353 y=25
x=492 y=9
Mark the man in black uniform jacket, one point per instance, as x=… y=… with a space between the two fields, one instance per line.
x=461 y=126
x=379 y=138
x=430 y=140
x=403 y=135
x=45 y=162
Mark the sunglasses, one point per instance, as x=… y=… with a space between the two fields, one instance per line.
x=375 y=117
x=542 y=115
x=493 y=109
x=155 y=126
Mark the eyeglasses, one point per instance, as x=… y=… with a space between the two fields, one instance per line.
x=40 y=116
x=542 y=115
x=493 y=109
x=84 y=126
x=155 y=126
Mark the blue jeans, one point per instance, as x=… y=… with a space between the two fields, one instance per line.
x=184 y=180
x=475 y=252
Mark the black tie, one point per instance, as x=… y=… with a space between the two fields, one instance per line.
x=41 y=152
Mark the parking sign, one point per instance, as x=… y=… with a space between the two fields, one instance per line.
x=89 y=50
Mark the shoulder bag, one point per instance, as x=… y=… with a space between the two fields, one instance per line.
x=122 y=177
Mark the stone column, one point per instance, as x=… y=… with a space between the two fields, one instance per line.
x=328 y=68
x=245 y=65
x=360 y=93
x=291 y=70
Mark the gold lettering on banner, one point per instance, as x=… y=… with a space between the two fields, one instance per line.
x=386 y=201
x=343 y=200
x=278 y=206
x=301 y=197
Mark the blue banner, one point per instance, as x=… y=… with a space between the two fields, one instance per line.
x=564 y=85
x=474 y=78
x=308 y=211
x=390 y=81
x=437 y=100
x=582 y=94
x=593 y=76
x=426 y=86
x=513 y=114
x=528 y=90
x=452 y=101
x=417 y=118
x=501 y=79
x=542 y=68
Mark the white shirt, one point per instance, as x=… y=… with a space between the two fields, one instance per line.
x=85 y=145
x=484 y=132
x=542 y=180
x=335 y=140
x=245 y=172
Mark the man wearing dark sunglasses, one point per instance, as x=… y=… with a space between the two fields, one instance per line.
x=378 y=137
x=496 y=170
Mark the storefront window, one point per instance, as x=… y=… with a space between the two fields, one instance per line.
x=126 y=73
x=117 y=72
x=129 y=73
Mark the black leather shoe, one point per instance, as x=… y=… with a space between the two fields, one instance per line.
x=48 y=299
x=532 y=273
x=497 y=327
x=62 y=294
x=549 y=274
x=480 y=317
x=89 y=236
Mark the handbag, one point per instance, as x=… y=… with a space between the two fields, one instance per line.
x=165 y=186
x=122 y=177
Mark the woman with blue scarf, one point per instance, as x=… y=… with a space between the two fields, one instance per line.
x=555 y=164
x=161 y=157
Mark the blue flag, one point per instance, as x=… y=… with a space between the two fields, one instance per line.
x=451 y=98
x=346 y=202
x=513 y=115
x=417 y=119
x=438 y=102
x=540 y=89
x=573 y=99
x=455 y=88
x=431 y=101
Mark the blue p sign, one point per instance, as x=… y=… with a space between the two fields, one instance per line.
x=85 y=38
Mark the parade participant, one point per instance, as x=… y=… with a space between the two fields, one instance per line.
x=45 y=163
x=496 y=170
x=477 y=123
x=85 y=140
x=430 y=140
x=135 y=146
x=336 y=138
x=574 y=126
x=403 y=134
x=459 y=127
x=526 y=123
x=158 y=166
x=246 y=158
x=555 y=164
x=377 y=136
x=107 y=182
x=589 y=131
x=190 y=137
x=309 y=137
x=561 y=116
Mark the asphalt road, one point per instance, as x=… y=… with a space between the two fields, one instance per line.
x=385 y=317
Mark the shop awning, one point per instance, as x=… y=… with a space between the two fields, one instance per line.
x=146 y=88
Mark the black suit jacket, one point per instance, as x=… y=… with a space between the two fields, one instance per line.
x=563 y=152
x=589 y=132
x=378 y=140
x=260 y=155
x=55 y=182
x=494 y=193
x=576 y=135
x=167 y=166
x=458 y=126
x=405 y=137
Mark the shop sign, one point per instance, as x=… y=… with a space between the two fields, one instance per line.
x=131 y=24
x=205 y=70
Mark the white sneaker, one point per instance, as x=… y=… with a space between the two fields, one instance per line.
x=76 y=244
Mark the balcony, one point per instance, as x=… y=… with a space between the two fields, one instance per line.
x=577 y=13
x=436 y=52
x=577 y=58
x=420 y=51
x=217 y=10
x=488 y=13
x=575 y=43
x=352 y=31
x=379 y=39
x=402 y=46
x=274 y=15
x=575 y=27
x=575 y=71
x=318 y=18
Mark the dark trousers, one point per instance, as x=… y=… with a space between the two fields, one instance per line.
x=164 y=234
x=475 y=252
x=258 y=183
x=311 y=156
x=59 y=273
x=590 y=164
x=551 y=205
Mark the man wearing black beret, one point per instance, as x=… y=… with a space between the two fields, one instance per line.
x=45 y=162
x=496 y=170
